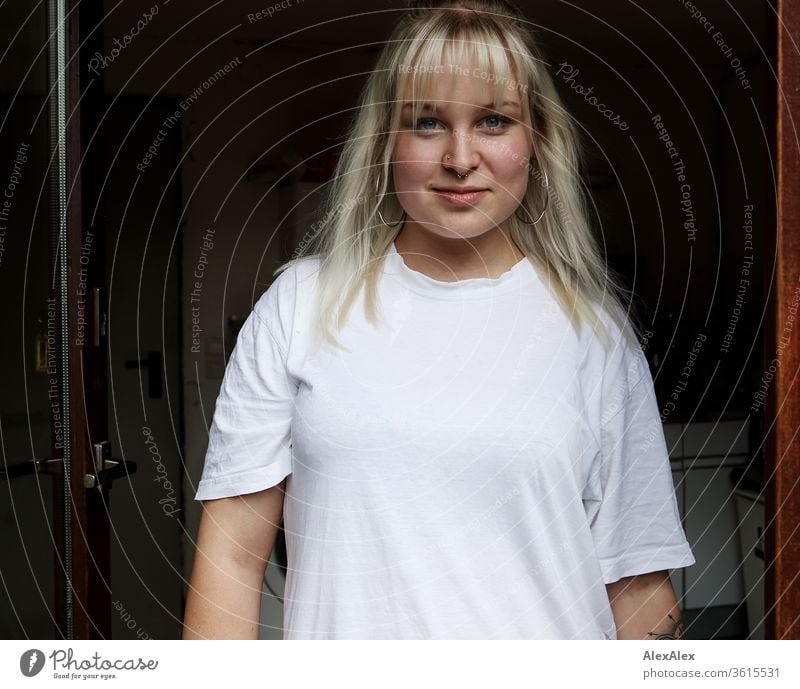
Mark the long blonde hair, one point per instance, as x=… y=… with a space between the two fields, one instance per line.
x=352 y=242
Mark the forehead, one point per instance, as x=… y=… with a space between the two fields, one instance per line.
x=452 y=92
x=461 y=77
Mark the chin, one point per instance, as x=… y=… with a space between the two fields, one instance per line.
x=466 y=223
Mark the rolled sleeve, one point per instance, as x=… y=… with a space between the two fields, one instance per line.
x=634 y=521
x=249 y=443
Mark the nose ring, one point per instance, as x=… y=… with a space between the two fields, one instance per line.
x=460 y=176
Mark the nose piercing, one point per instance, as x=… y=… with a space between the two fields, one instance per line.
x=460 y=176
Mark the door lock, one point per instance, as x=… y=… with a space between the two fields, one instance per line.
x=106 y=469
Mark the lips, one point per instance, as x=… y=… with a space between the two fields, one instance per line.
x=460 y=196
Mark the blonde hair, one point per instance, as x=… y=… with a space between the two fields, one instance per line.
x=352 y=243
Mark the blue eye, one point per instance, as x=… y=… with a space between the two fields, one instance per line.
x=419 y=122
x=500 y=123
x=504 y=121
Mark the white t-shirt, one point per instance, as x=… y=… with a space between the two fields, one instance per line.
x=472 y=469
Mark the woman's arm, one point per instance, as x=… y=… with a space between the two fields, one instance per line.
x=645 y=607
x=234 y=543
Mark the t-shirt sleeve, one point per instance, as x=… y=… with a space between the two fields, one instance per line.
x=249 y=443
x=634 y=518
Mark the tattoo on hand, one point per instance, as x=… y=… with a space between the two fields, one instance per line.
x=677 y=630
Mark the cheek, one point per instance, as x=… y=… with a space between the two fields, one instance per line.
x=413 y=164
x=510 y=169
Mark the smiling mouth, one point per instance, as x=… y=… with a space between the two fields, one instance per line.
x=460 y=197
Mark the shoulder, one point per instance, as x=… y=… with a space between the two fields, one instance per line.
x=284 y=307
x=617 y=354
x=616 y=373
x=294 y=282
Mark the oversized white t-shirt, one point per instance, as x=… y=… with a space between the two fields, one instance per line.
x=472 y=468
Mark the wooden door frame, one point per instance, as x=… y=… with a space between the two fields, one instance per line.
x=782 y=537
x=85 y=411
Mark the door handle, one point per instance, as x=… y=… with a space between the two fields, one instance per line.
x=153 y=365
x=52 y=466
x=105 y=469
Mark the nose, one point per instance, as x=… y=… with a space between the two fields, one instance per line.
x=462 y=157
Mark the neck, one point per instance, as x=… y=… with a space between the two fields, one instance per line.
x=453 y=258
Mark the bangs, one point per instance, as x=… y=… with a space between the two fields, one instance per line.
x=448 y=51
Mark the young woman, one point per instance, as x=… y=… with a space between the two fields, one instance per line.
x=446 y=385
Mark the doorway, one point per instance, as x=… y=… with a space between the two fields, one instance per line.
x=212 y=139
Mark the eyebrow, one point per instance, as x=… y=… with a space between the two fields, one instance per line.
x=489 y=106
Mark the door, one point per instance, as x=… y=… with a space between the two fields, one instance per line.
x=90 y=432
x=782 y=345
x=31 y=523
x=57 y=463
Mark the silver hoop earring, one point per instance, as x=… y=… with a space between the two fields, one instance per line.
x=546 y=202
x=378 y=207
